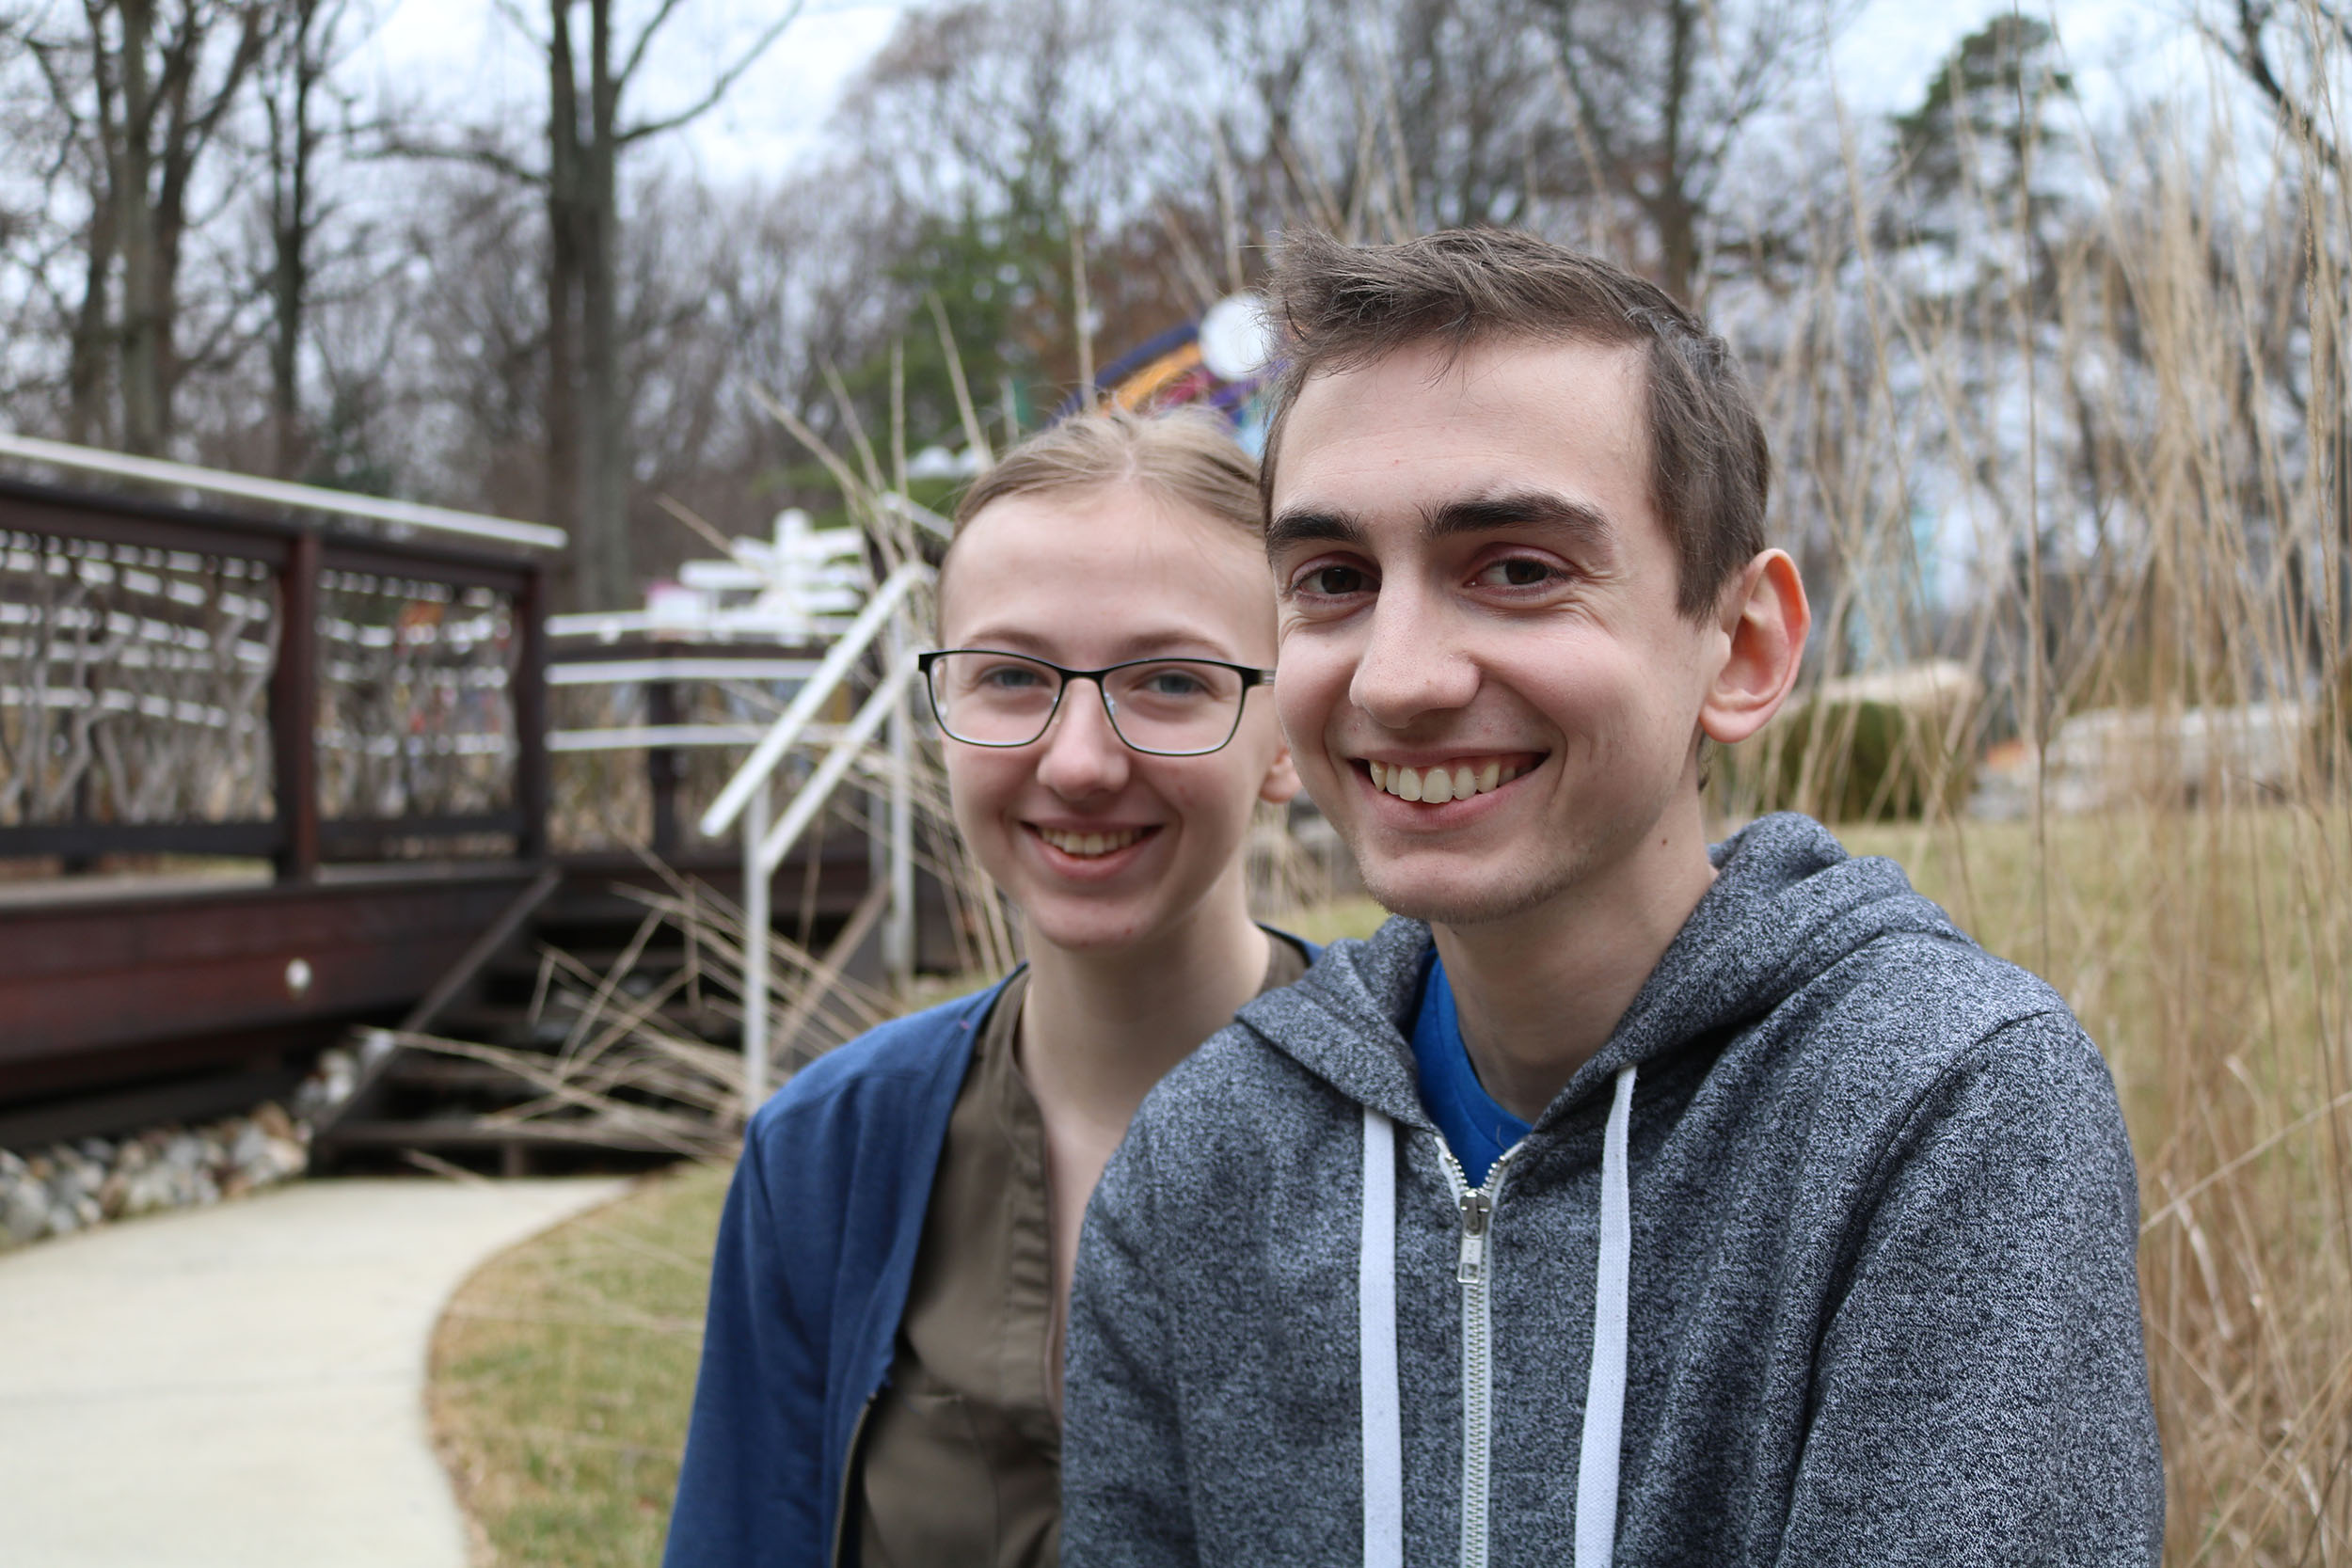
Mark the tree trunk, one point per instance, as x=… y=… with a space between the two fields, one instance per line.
x=146 y=321
x=292 y=145
x=561 y=412
x=93 y=334
x=604 y=511
x=1673 y=213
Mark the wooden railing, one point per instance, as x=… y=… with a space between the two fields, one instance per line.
x=184 y=681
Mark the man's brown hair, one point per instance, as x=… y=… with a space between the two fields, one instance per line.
x=1341 y=306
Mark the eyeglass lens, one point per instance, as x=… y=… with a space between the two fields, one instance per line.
x=1170 y=705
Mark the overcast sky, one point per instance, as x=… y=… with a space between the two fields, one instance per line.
x=456 y=55
x=459 y=54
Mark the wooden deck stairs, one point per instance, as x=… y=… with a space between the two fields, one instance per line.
x=522 y=1075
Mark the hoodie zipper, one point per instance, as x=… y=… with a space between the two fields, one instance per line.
x=1474 y=1272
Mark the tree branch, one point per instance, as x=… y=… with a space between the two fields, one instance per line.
x=2251 y=57
x=725 y=80
x=644 y=41
x=521 y=24
x=481 y=157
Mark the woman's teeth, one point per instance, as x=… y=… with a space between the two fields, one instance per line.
x=1452 y=781
x=1086 y=846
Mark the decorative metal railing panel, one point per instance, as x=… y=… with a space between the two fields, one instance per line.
x=133 y=683
x=180 y=681
x=415 y=698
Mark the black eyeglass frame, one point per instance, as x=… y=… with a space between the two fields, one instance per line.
x=1251 y=676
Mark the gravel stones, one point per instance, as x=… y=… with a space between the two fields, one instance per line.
x=73 y=1186
x=336 y=1074
x=69 y=1187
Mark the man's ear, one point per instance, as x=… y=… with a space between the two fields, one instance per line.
x=1282 y=779
x=1764 y=618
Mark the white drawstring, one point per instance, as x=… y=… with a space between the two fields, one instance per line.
x=1597 y=1455
x=1604 y=1390
x=1376 y=1312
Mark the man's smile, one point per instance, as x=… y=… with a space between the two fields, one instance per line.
x=1450 y=779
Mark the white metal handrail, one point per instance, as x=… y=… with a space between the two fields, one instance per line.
x=811 y=796
x=631 y=737
x=618 y=672
x=747 y=798
x=838 y=661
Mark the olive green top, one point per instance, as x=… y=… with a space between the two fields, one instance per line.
x=960 y=1461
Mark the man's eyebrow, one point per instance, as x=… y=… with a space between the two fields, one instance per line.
x=1587 y=525
x=1307 y=526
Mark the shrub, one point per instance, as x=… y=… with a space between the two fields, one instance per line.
x=1852 y=761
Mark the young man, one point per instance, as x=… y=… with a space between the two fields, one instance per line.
x=1623 y=1199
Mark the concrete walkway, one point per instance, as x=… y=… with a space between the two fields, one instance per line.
x=243 y=1385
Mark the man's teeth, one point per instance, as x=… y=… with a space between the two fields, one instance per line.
x=1090 y=843
x=1452 y=781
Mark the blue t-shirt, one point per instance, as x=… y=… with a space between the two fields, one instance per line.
x=1475 y=1127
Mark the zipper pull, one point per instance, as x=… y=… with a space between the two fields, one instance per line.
x=1477 y=1208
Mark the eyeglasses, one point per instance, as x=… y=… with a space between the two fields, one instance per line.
x=1167 y=707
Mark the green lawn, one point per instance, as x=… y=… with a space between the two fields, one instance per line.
x=562 y=1373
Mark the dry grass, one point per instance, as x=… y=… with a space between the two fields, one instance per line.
x=2205 y=952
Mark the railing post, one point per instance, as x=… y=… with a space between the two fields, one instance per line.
x=294 y=711
x=754 y=950
x=665 y=766
x=530 y=715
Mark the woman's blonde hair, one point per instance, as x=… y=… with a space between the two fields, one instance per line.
x=1180 y=456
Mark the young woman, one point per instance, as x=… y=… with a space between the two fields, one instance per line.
x=882 y=1375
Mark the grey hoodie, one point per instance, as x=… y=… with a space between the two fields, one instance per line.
x=1871 y=1296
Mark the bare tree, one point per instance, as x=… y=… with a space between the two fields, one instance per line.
x=586 y=407
x=1472 y=105
x=2279 y=47
x=292 y=77
x=1660 y=91
x=147 y=87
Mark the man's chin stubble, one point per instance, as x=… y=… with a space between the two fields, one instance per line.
x=1454 y=907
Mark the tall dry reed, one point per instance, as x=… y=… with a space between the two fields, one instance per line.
x=2122 y=412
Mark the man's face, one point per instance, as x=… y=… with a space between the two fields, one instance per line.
x=1476 y=587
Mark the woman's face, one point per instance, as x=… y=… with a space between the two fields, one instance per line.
x=1102 y=847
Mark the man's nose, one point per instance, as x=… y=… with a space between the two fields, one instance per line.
x=1083 y=754
x=1412 y=662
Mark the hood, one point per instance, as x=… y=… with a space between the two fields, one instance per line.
x=1787 y=903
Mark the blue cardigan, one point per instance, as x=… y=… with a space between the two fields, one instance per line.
x=815 y=1249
